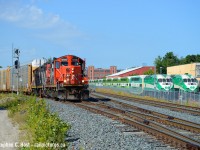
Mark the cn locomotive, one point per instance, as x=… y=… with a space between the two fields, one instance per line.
x=60 y=78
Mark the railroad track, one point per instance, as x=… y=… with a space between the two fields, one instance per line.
x=172 y=106
x=163 y=133
x=158 y=117
x=151 y=122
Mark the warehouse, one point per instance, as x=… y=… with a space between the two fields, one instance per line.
x=193 y=69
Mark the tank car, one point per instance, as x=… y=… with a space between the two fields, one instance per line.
x=62 y=78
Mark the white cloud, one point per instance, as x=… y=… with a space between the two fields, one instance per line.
x=47 y=26
x=29 y=16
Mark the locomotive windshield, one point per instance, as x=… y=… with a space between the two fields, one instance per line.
x=189 y=80
x=64 y=63
x=161 y=80
x=75 y=62
x=169 y=80
x=194 y=80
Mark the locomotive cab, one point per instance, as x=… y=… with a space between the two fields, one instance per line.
x=63 y=78
x=69 y=70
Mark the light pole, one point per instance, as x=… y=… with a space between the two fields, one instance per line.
x=160 y=70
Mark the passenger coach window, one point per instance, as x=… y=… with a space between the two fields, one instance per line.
x=57 y=65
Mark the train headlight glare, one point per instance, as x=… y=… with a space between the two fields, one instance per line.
x=83 y=81
x=65 y=81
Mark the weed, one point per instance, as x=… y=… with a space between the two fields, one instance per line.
x=40 y=128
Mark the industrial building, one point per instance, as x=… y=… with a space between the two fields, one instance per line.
x=99 y=73
x=132 y=71
x=193 y=69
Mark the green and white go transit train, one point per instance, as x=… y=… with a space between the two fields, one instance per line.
x=158 y=82
x=185 y=82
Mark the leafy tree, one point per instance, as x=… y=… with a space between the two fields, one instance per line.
x=149 y=72
x=168 y=60
x=0 y=66
x=181 y=61
x=197 y=58
x=158 y=63
x=135 y=74
x=171 y=60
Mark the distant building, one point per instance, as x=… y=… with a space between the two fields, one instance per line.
x=99 y=73
x=193 y=69
x=131 y=71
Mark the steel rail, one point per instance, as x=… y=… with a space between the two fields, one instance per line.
x=162 y=118
x=169 y=136
x=189 y=126
x=170 y=106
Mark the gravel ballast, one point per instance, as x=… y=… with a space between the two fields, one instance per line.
x=91 y=131
x=176 y=114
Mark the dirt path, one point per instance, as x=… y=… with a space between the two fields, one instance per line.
x=9 y=132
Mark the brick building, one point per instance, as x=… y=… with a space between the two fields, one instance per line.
x=131 y=71
x=99 y=73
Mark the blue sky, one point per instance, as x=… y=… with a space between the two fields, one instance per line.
x=124 y=33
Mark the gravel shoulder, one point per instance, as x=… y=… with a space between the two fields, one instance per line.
x=9 y=133
x=95 y=132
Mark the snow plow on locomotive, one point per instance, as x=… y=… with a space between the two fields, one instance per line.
x=63 y=78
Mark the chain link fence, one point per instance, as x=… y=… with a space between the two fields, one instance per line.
x=172 y=96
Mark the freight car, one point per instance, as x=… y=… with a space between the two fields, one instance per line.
x=4 y=80
x=20 y=80
x=63 y=78
x=185 y=82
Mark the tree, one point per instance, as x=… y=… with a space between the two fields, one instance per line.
x=190 y=59
x=168 y=60
x=158 y=63
x=149 y=72
x=0 y=66
x=135 y=74
x=171 y=60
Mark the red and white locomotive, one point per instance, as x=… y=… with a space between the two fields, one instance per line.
x=62 y=78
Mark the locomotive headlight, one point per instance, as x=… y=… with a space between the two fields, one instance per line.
x=83 y=81
x=65 y=81
x=72 y=70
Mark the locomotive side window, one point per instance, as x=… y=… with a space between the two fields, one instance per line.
x=57 y=65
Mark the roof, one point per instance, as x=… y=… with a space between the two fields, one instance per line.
x=123 y=71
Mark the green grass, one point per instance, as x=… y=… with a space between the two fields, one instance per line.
x=36 y=123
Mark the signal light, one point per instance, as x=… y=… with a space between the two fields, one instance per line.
x=17 y=51
x=16 y=64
